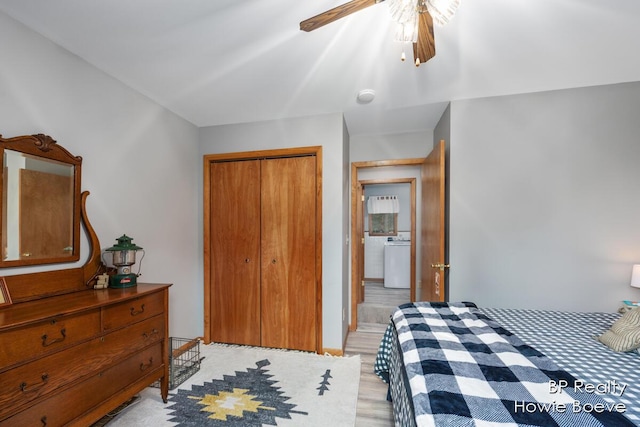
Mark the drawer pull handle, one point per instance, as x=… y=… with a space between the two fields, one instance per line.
x=63 y=332
x=26 y=388
x=43 y=420
x=153 y=333
x=135 y=312
x=145 y=366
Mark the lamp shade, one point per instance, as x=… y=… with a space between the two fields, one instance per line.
x=635 y=276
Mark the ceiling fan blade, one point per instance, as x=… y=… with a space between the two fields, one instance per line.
x=335 y=14
x=425 y=48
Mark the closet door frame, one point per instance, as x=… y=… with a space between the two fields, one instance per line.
x=262 y=154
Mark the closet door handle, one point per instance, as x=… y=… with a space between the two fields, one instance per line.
x=247 y=260
x=273 y=261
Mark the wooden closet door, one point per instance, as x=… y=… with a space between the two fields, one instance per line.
x=235 y=252
x=288 y=253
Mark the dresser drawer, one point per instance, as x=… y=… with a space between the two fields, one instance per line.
x=28 y=382
x=132 y=311
x=135 y=337
x=38 y=339
x=62 y=408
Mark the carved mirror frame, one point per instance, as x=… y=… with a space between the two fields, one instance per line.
x=30 y=286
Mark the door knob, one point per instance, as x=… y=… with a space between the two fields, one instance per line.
x=440 y=266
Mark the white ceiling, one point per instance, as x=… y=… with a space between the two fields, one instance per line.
x=230 y=61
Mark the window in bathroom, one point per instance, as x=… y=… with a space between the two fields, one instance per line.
x=383 y=224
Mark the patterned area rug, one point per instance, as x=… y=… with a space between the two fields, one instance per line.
x=240 y=386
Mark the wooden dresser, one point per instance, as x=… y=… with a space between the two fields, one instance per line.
x=69 y=353
x=70 y=359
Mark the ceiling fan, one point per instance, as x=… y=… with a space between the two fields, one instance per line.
x=413 y=16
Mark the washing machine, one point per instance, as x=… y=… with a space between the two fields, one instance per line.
x=397 y=264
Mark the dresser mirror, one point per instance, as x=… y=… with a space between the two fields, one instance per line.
x=40 y=202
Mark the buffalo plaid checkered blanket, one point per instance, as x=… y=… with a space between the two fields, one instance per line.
x=464 y=369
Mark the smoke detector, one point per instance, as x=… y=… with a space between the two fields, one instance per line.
x=365 y=96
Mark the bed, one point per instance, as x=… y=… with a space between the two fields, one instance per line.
x=453 y=364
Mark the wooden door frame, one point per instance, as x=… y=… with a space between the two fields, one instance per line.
x=262 y=154
x=357 y=230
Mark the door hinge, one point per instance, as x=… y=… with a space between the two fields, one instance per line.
x=362 y=241
x=362 y=283
x=362 y=197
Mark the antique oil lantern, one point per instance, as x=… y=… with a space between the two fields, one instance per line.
x=124 y=256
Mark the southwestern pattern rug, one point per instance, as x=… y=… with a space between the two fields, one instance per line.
x=241 y=386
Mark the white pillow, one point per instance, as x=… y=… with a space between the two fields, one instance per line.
x=624 y=334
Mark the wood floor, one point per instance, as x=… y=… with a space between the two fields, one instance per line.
x=373 y=409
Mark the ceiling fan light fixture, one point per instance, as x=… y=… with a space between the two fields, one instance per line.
x=402 y=10
x=413 y=18
x=407 y=31
x=442 y=11
x=405 y=14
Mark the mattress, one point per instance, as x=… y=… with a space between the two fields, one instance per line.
x=448 y=364
x=567 y=338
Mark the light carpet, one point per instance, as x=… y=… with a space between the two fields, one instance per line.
x=252 y=386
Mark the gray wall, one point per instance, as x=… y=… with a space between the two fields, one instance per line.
x=443 y=128
x=138 y=159
x=329 y=132
x=545 y=198
x=393 y=146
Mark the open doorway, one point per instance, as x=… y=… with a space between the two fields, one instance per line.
x=432 y=257
x=390 y=243
x=395 y=172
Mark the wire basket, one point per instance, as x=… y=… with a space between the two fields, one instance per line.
x=184 y=360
